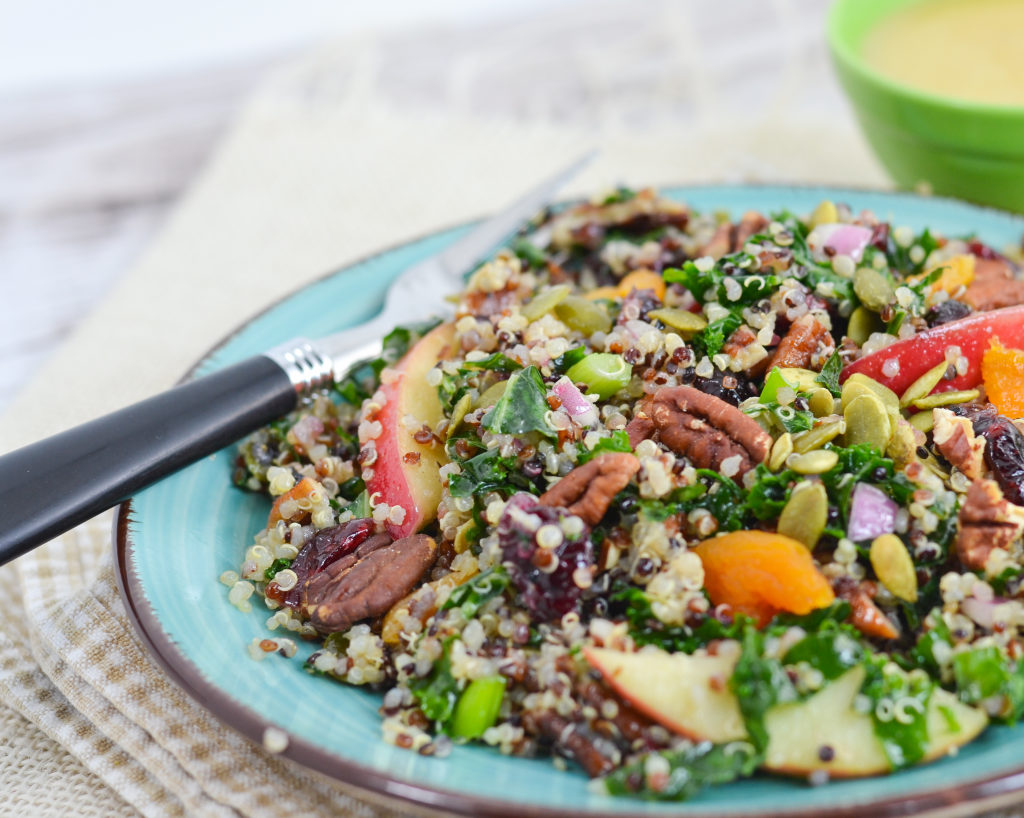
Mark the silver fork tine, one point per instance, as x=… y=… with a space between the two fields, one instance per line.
x=465 y=253
x=419 y=292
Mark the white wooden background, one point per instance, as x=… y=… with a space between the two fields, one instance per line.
x=90 y=168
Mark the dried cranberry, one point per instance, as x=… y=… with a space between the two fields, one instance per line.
x=947 y=311
x=977 y=248
x=1004 y=454
x=880 y=237
x=546 y=594
x=327 y=546
x=1004 y=448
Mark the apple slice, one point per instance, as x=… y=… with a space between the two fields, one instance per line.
x=797 y=732
x=690 y=695
x=404 y=472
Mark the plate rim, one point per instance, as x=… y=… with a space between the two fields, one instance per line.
x=984 y=792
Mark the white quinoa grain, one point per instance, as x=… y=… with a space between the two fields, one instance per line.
x=275 y=740
x=843 y=265
x=549 y=536
x=240 y=592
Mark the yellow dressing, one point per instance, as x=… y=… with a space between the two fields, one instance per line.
x=970 y=49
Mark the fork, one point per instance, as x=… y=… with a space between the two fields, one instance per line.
x=48 y=487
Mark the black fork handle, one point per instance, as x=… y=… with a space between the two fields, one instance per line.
x=47 y=488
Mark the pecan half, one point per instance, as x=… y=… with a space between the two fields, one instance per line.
x=994 y=285
x=729 y=238
x=752 y=222
x=588 y=490
x=708 y=430
x=806 y=338
x=720 y=242
x=954 y=437
x=987 y=521
x=367 y=582
x=640 y=426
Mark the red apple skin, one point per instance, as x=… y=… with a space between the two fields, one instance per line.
x=927 y=349
x=405 y=471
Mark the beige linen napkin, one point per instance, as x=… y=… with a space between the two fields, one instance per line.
x=319 y=170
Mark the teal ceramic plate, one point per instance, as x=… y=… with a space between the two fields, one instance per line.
x=174 y=539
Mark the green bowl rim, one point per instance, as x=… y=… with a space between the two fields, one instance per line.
x=844 y=52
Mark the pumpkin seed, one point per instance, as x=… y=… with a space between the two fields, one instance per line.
x=862 y=324
x=805 y=514
x=923 y=385
x=583 y=315
x=894 y=566
x=824 y=213
x=781 y=449
x=544 y=302
x=857 y=383
x=902 y=446
x=462 y=541
x=459 y=411
x=873 y=288
x=828 y=429
x=817 y=462
x=946 y=399
x=686 y=323
x=804 y=380
x=491 y=395
x=867 y=422
x=923 y=421
x=821 y=402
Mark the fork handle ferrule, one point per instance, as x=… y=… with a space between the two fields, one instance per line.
x=308 y=367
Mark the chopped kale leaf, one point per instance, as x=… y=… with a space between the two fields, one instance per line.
x=438 y=692
x=759 y=683
x=523 y=406
x=899 y=710
x=618 y=441
x=829 y=375
x=482 y=588
x=689 y=771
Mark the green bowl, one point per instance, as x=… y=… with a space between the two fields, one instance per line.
x=955 y=147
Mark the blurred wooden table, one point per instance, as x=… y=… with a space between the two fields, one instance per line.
x=88 y=177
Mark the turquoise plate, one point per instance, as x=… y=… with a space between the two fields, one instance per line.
x=174 y=540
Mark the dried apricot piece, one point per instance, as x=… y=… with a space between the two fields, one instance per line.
x=599 y=293
x=642 y=280
x=1002 y=371
x=759 y=574
x=303 y=489
x=957 y=272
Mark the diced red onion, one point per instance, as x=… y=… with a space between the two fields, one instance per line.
x=872 y=513
x=980 y=611
x=845 y=239
x=307 y=430
x=579 y=408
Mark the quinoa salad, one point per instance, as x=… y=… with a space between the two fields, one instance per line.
x=674 y=499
